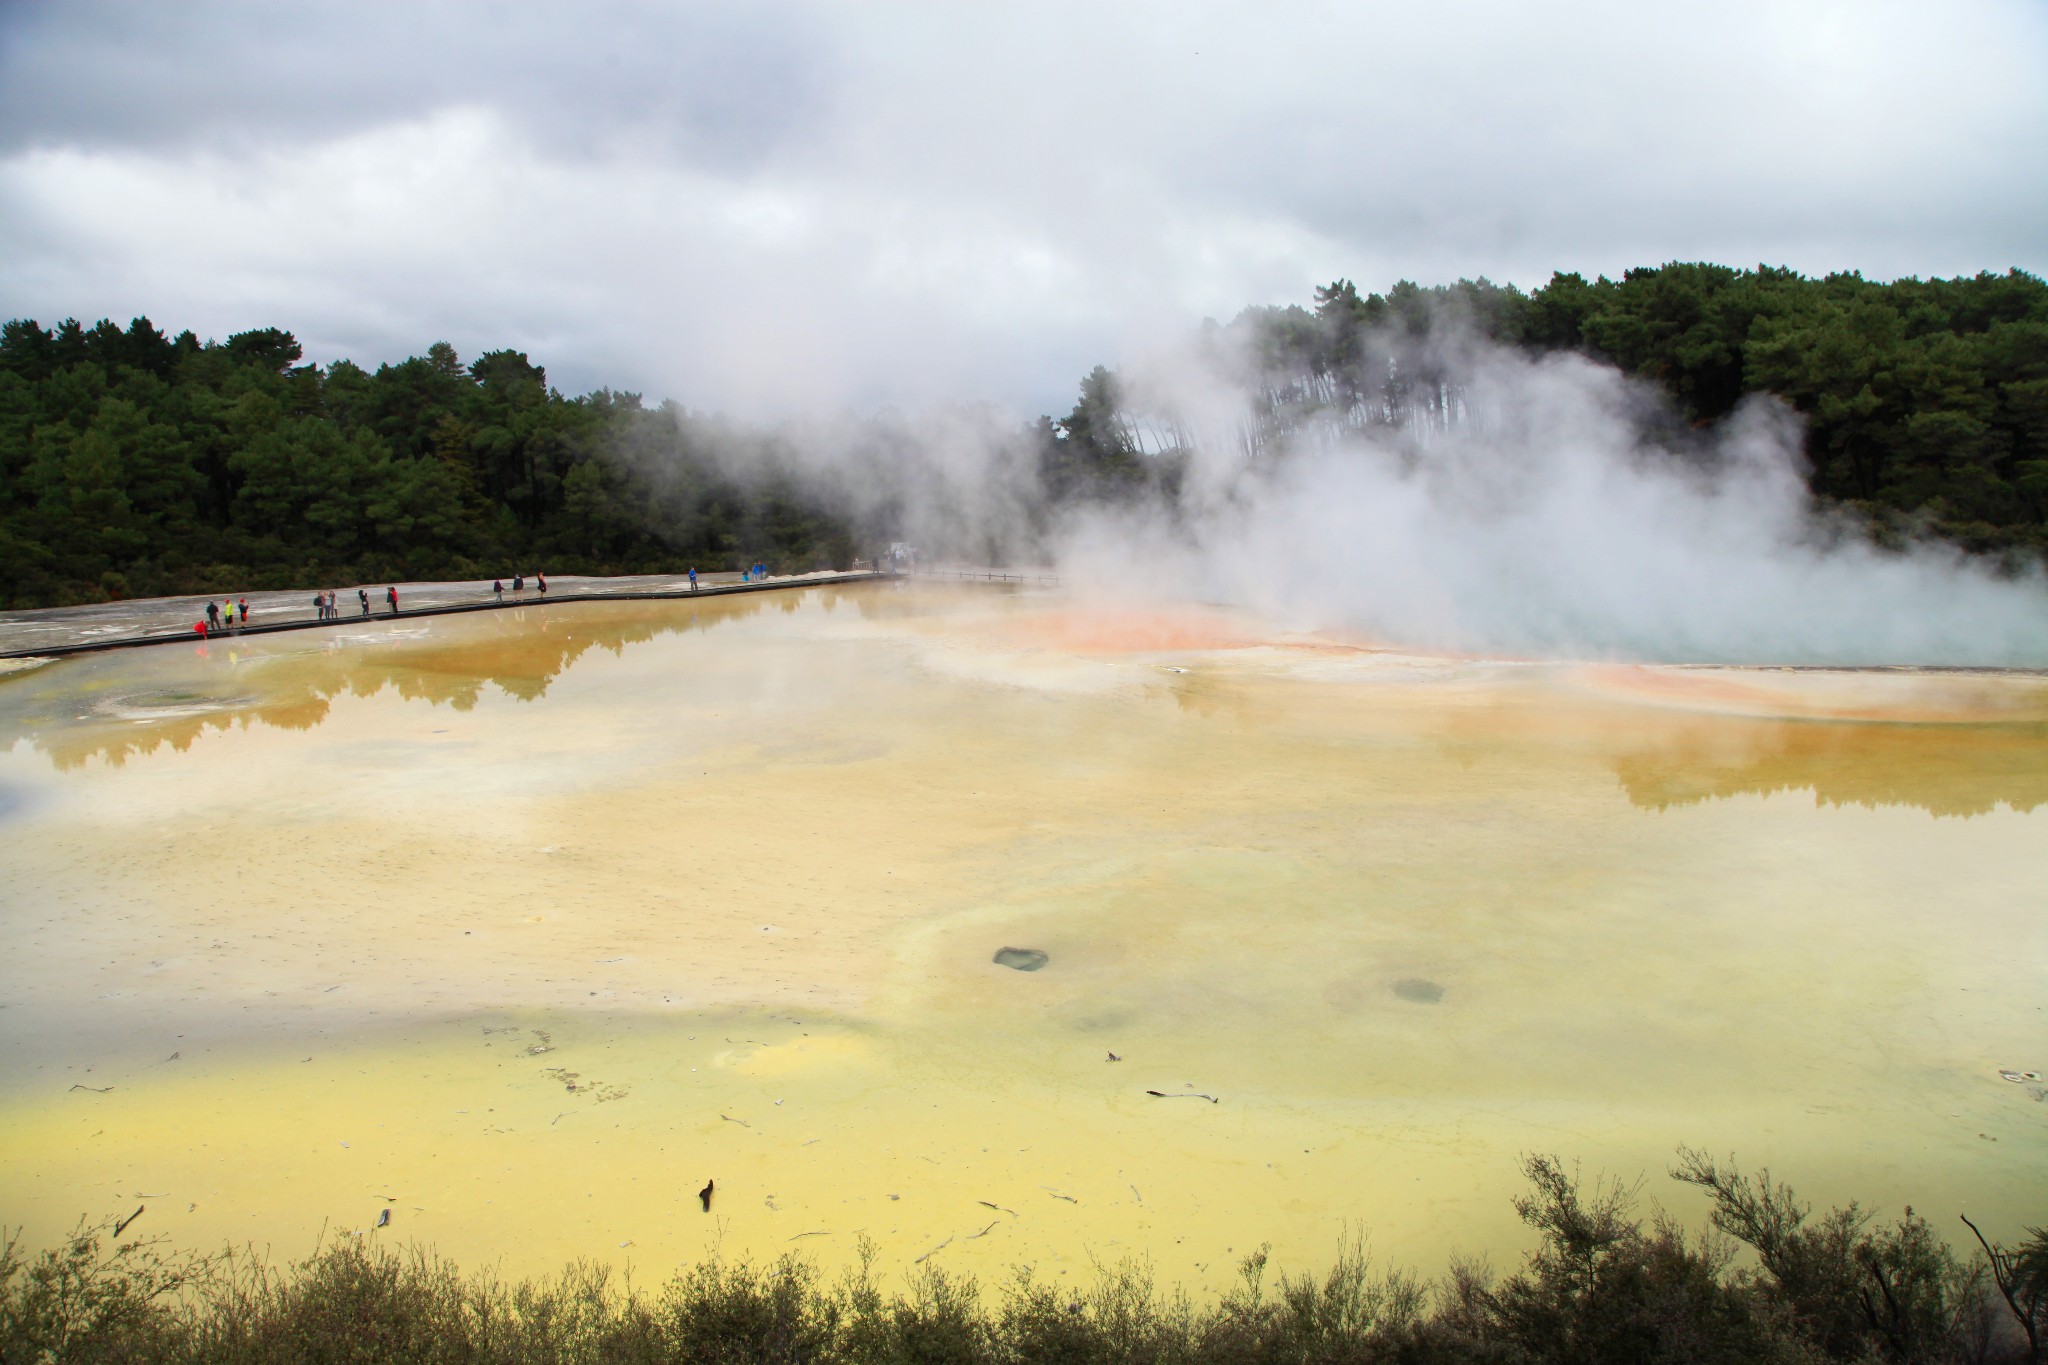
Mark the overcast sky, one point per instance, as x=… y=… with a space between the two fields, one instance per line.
x=764 y=206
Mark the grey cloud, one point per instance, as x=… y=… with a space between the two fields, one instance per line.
x=770 y=206
x=722 y=84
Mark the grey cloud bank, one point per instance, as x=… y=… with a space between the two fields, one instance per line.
x=785 y=207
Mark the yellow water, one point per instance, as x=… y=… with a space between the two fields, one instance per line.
x=524 y=925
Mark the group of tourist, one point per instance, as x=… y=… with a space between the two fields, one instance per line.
x=330 y=610
x=230 y=614
x=540 y=583
x=227 y=614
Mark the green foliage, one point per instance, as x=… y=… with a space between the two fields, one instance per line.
x=87 y=1301
x=1926 y=400
x=1897 y=1293
x=1094 y=454
x=135 y=465
x=1598 y=1287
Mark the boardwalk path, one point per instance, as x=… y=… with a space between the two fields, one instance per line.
x=168 y=620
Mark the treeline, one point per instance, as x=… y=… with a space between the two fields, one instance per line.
x=1599 y=1287
x=1926 y=401
x=136 y=464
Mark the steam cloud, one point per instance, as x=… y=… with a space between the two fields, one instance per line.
x=1524 y=506
x=1558 y=512
x=1547 y=507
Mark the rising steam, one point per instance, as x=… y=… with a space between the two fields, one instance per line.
x=1496 y=503
x=1543 y=507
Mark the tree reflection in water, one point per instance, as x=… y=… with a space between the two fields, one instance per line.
x=1954 y=769
x=89 y=708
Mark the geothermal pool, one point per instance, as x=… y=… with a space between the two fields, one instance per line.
x=524 y=925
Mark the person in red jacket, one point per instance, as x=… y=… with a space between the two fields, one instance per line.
x=391 y=596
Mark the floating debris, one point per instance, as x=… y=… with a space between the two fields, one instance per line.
x=96 y=1089
x=983 y=1233
x=933 y=1252
x=1417 y=991
x=1021 y=959
x=1183 y=1095
x=1114 y=1058
x=384 y=1219
x=2015 y=1076
x=122 y=1226
x=705 y=1194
